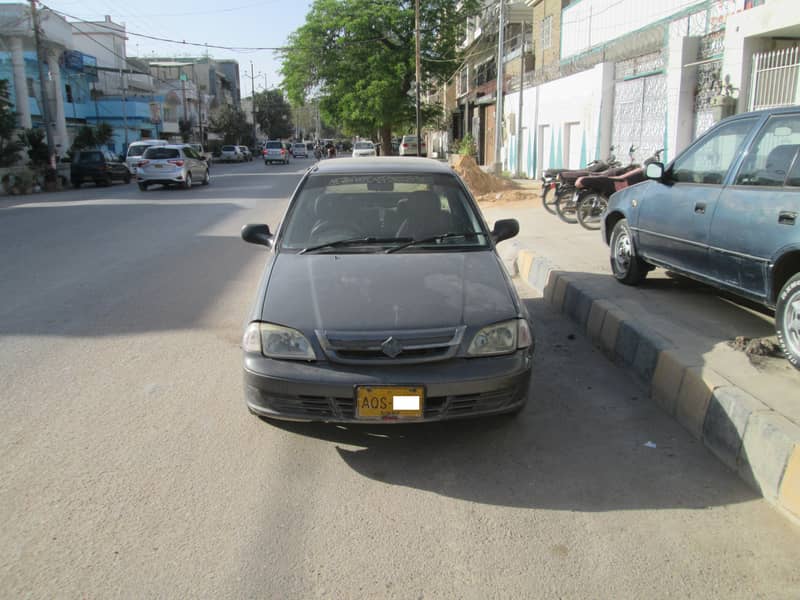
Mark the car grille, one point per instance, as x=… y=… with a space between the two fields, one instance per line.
x=435 y=406
x=385 y=347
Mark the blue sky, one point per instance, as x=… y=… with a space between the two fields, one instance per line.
x=232 y=23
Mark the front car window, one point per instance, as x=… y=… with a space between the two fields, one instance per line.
x=773 y=154
x=330 y=208
x=709 y=160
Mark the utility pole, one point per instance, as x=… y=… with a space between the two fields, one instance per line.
x=40 y=59
x=253 y=96
x=498 y=116
x=124 y=106
x=519 y=105
x=419 y=75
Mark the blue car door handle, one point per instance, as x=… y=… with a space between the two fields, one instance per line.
x=787 y=218
x=700 y=208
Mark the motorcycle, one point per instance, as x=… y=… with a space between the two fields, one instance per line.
x=567 y=196
x=552 y=179
x=593 y=191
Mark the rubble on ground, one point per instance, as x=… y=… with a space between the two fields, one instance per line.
x=478 y=181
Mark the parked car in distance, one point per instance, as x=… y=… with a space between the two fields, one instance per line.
x=135 y=150
x=170 y=165
x=724 y=212
x=299 y=150
x=408 y=146
x=245 y=152
x=231 y=154
x=275 y=151
x=363 y=148
x=100 y=166
x=385 y=301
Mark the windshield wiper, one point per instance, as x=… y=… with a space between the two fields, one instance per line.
x=353 y=242
x=435 y=238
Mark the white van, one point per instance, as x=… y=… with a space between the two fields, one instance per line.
x=135 y=151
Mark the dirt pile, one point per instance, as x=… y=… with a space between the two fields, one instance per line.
x=478 y=181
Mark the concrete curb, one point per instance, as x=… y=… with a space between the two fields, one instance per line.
x=762 y=446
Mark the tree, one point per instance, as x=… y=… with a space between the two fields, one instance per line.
x=231 y=122
x=103 y=134
x=9 y=147
x=92 y=137
x=185 y=127
x=358 y=57
x=273 y=114
x=33 y=141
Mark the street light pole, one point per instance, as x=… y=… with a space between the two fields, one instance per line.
x=253 y=99
x=419 y=75
x=48 y=128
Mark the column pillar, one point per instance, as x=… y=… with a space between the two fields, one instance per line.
x=62 y=140
x=20 y=84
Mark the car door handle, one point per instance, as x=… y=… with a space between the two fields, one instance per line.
x=700 y=208
x=787 y=218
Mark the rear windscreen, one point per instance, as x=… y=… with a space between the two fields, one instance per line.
x=156 y=153
x=136 y=150
x=274 y=145
x=91 y=157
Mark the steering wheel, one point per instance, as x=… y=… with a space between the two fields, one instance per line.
x=330 y=231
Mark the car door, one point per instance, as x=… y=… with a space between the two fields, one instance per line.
x=674 y=218
x=756 y=214
x=192 y=166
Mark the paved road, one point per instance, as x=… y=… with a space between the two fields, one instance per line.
x=130 y=468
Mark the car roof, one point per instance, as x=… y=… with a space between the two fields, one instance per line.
x=383 y=164
x=149 y=143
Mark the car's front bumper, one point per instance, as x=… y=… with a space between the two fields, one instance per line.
x=322 y=391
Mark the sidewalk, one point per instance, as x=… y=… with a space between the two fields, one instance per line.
x=675 y=336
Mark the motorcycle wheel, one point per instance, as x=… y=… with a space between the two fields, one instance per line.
x=549 y=199
x=566 y=205
x=590 y=209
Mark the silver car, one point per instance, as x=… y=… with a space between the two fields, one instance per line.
x=384 y=300
x=172 y=165
x=363 y=149
x=231 y=154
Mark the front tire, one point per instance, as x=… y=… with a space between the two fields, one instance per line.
x=787 y=320
x=143 y=187
x=590 y=210
x=626 y=265
x=187 y=184
x=565 y=206
x=207 y=178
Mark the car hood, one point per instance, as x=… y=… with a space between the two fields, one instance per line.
x=387 y=291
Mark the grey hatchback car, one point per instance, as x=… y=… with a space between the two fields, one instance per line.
x=723 y=212
x=383 y=300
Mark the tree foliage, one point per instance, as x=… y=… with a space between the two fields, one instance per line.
x=358 y=58
x=9 y=147
x=92 y=137
x=273 y=114
x=33 y=140
x=231 y=123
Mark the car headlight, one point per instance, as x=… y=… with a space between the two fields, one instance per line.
x=501 y=338
x=276 y=341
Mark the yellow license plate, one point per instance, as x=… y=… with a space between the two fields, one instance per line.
x=389 y=401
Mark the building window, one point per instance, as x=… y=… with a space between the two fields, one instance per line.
x=68 y=90
x=463 y=81
x=485 y=72
x=547 y=27
x=31 y=89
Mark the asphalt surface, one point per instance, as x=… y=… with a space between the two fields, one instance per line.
x=129 y=466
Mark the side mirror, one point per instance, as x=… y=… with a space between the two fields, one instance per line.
x=505 y=229
x=256 y=233
x=655 y=170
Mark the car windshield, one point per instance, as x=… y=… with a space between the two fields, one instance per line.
x=381 y=208
x=364 y=146
x=159 y=152
x=229 y=148
x=91 y=157
x=136 y=149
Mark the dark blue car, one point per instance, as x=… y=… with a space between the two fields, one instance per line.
x=723 y=212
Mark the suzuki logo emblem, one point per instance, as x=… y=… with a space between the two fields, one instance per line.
x=391 y=347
